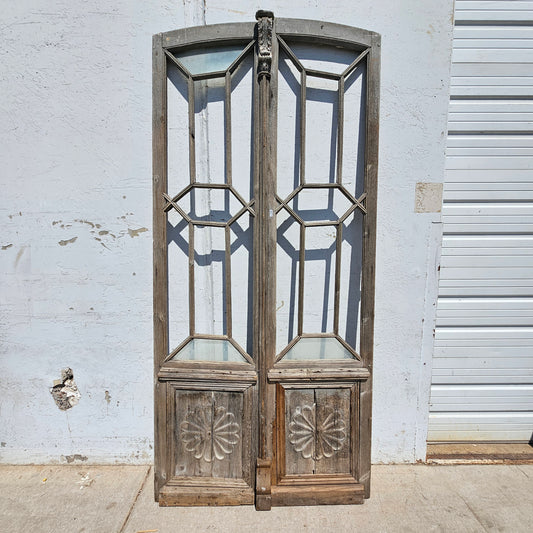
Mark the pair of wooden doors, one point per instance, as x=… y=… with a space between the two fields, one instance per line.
x=265 y=167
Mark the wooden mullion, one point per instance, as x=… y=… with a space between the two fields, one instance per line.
x=321 y=186
x=172 y=204
x=178 y=348
x=236 y=63
x=209 y=75
x=322 y=74
x=210 y=223
x=288 y=347
x=177 y=198
x=352 y=66
x=350 y=210
x=321 y=223
x=291 y=54
x=178 y=64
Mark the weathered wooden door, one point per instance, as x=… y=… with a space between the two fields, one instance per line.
x=265 y=167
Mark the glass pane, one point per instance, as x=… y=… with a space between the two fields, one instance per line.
x=323 y=57
x=209 y=350
x=310 y=348
x=200 y=61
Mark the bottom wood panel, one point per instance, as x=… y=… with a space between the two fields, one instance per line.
x=215 y=492
x=342 y=494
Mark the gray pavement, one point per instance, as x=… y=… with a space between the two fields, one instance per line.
x=119 y=499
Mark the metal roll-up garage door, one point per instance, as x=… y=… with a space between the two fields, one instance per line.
x=482 y=378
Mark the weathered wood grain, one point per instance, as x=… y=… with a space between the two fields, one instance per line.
x=160 y=280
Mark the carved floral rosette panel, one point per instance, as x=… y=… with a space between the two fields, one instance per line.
x=317 y=429
x=317 y=437
x=208 y=434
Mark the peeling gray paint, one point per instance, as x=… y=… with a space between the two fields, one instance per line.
x=75 y=457
x=136 y=232
x=68 y=241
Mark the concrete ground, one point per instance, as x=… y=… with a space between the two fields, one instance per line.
x=119 y=499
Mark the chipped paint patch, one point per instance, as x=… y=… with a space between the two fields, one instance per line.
x=68 y=241
x=65 y=391
x=6 y=246
x=88 y=222
x=75 y=457
x=107 y=397
x=136 y=232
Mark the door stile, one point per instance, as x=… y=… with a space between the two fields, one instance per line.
x=160 y=281
x=369 y=257
x=265 y=181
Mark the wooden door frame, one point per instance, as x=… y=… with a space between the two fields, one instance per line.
x=266 y=31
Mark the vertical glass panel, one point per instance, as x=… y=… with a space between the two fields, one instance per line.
x=353 y=162
x=178 y=279
x=177 y=130
x=324 y=157
x=350 y=281
x=319 y=279
x=242 y=128
x=209 y=280
x=322 y=105
x=242 y=281
x=316 y=348
x=209 y=350
x=202 y=60
x=289 y=116
x=209 y=130
x=288 y=264
x=323 y=57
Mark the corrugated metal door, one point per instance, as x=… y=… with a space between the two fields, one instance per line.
x=482 y=384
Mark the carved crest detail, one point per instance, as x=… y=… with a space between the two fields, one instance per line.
x=265 y=21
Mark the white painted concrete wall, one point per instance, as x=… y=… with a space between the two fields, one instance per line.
x=75 y=131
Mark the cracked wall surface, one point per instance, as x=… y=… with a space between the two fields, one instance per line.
x=76 y=241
